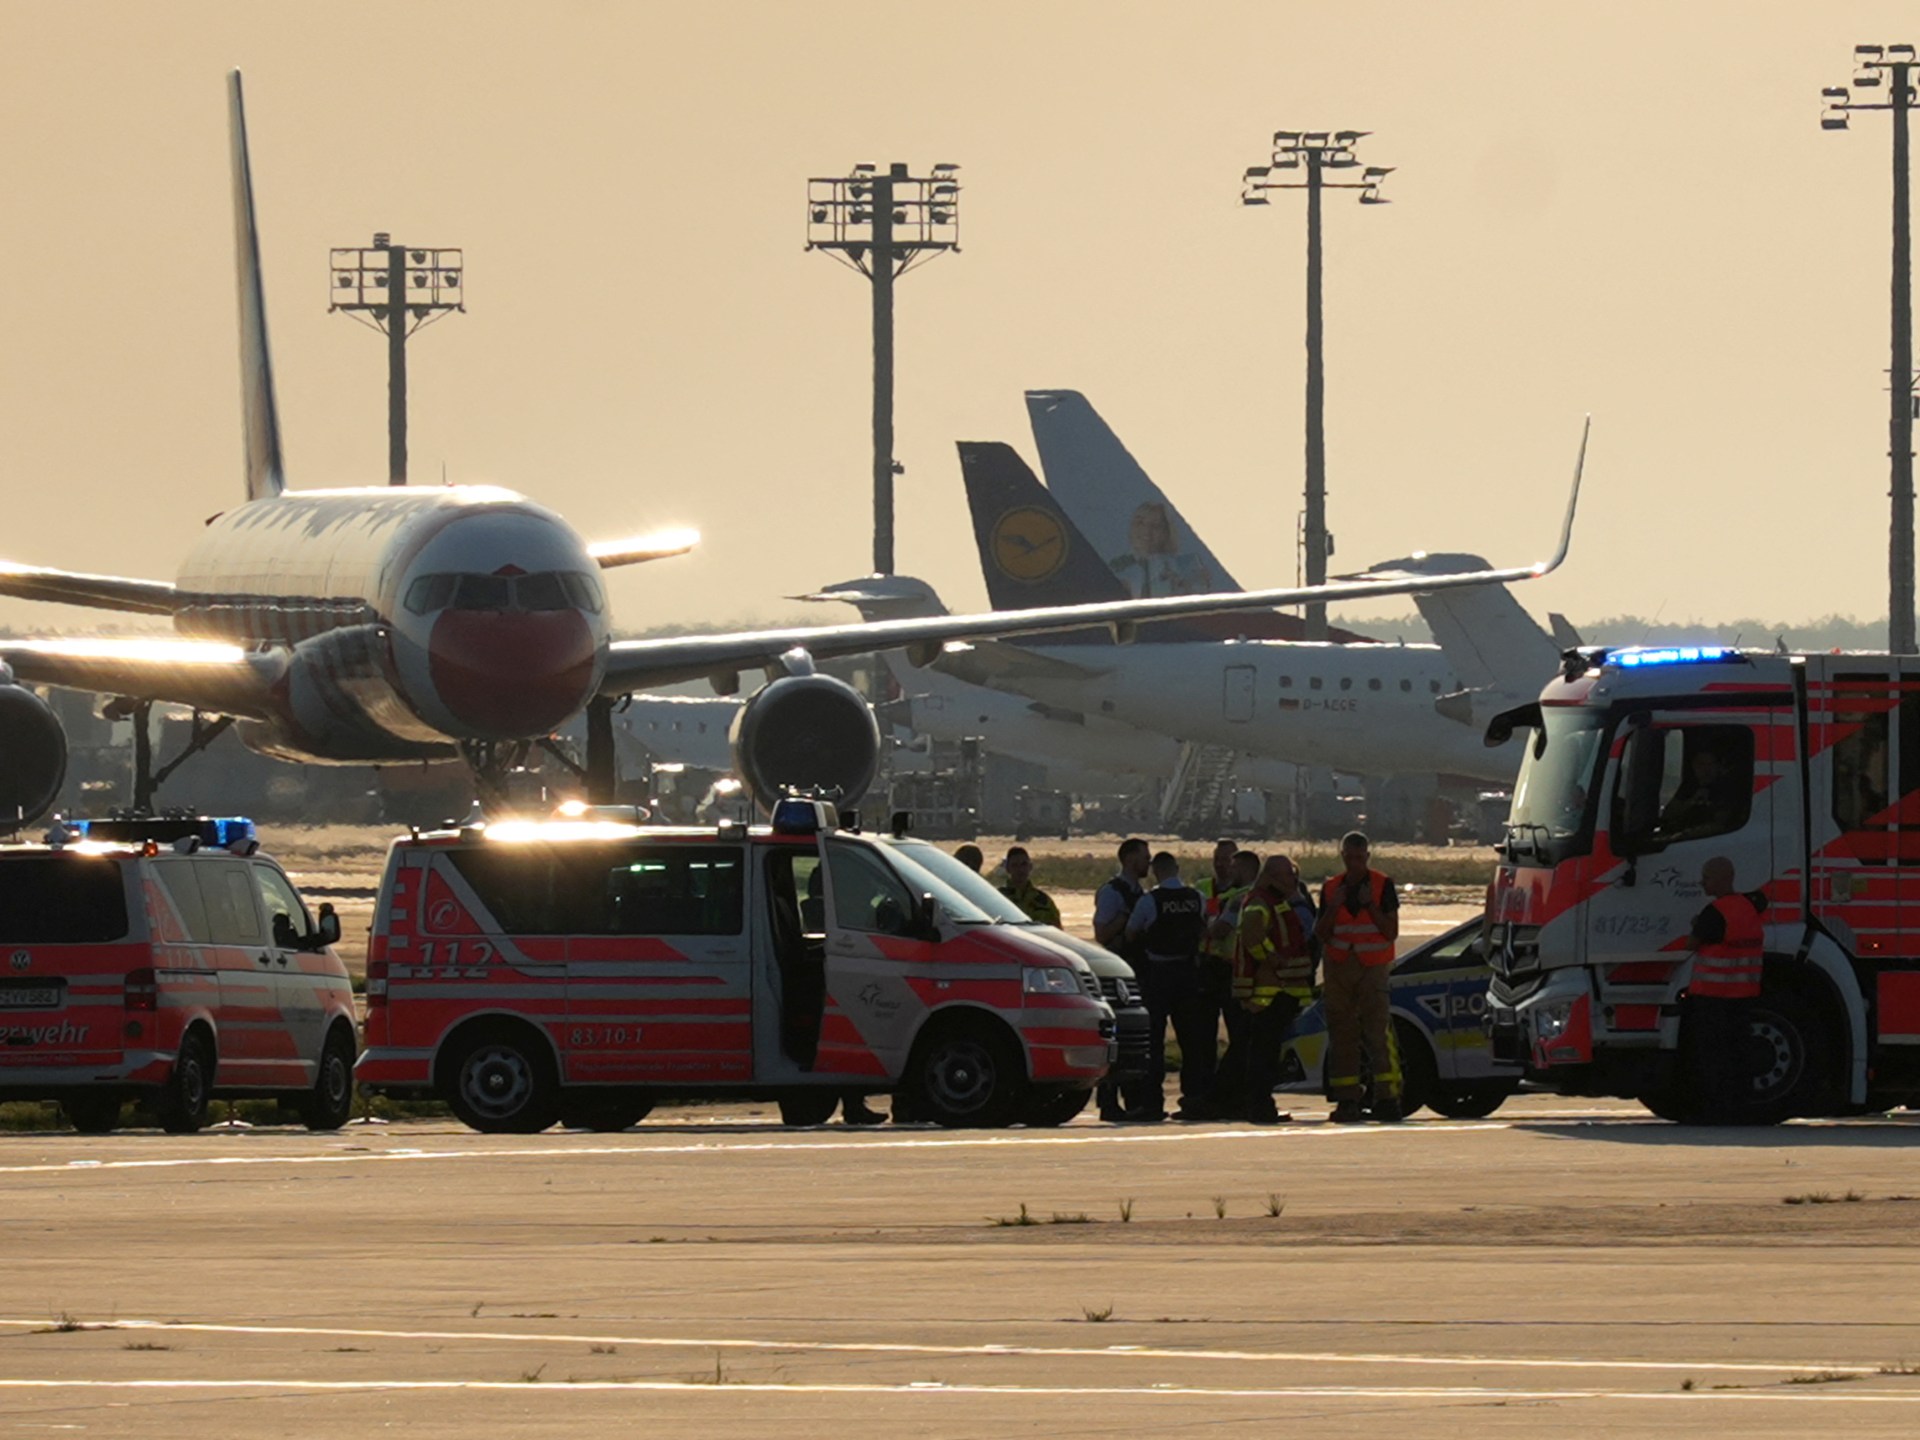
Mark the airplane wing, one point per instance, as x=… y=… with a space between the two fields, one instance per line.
x=635 y=664
x=989 y=662
x=205 y=674
x=100 y=592
x=636 y=549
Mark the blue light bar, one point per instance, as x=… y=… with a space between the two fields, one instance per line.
x=1674 y=655
x=219 y=831
x=794 y=816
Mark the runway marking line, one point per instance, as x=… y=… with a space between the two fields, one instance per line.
x=1051 y=1352
x=1799 y=1396
x=708 y=1147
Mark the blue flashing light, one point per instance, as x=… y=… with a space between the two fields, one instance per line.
x=794 y=816
x=219 y=831
x=1674 y=655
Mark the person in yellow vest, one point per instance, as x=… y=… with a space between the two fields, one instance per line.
x=1272 y=984
x=1728 y=945
x=1216 y=952
x=1358 y=923
x=1034 y=902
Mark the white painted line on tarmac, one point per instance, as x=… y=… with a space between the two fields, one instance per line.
x=794 y=1145
x=1798 y=1395
x=1050 y=1352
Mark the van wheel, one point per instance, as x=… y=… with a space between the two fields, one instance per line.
x=968 y=1076
x=329 y=1105
x=502 y=1084
x=183 y=1100
x=801 y=1108
x=1054 y=1106
x=604 y=1115
x=92 y=1114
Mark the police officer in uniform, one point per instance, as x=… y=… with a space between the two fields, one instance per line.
x=1169 y=923
x=1715 y=1027
x=1359 y=921
x=1112 y=907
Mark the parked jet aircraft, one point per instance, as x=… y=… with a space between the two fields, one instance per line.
x=384 y=624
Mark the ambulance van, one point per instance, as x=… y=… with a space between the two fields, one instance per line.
x=166 y=960
x=580 y=970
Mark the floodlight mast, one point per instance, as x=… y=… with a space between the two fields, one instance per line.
x=397 y=289
x=882 y=225
x=1314 y=152
x=1892 y=65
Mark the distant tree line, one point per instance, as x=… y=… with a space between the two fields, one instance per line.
x=1829 y=632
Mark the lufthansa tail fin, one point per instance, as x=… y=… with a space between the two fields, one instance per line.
x=266 y=475
x=1030 y=552
x=1128 y=519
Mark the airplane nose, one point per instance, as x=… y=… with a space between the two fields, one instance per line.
x=511 y=676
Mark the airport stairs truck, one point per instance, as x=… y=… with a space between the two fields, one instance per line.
x=1640 y=766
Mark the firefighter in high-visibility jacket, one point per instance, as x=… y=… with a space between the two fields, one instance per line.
x=1728 y=944
x=1359 y=921
x=1272 y=984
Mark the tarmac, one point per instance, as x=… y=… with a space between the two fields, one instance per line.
x=1566 y=1266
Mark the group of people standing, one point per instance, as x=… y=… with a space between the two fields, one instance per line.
x=1240 y=951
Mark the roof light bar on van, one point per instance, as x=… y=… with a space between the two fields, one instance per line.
x=794 y=816
x=223 y=831
x=1674 y=655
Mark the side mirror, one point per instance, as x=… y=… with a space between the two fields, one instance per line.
x=327 y=932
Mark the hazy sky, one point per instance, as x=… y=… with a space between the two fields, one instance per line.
x=1628 y=209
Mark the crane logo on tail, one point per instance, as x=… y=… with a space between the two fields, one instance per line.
x=1028 y=544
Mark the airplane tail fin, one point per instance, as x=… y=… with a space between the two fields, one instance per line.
x=1491 y=642
x=884 y=597
x=266 y=475
x=1030 y=551
x=1113 y=500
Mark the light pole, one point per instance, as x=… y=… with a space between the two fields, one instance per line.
x=883 y=225
x=397 y=290
x=1314 y=152
x=1893 y=66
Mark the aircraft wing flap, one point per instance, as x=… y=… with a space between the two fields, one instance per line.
x=220 y=679
x=987 y=662
x=99 y=592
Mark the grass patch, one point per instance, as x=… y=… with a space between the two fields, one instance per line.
x=1096 y=1317
x=603 y=1349
x=1126 y=1211
x=532 y=1377
x=1073 y=1218
x=1810 y=1197
x=1900 y=1367
x=1823 y=1377
x=1276 y=1207
x=1689 y=1384
x=1023 y=1218
x=1219 y=1207
x=145 y=1345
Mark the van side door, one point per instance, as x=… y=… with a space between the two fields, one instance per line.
x=874 y=945
x=301 y=989
x=253 y=1046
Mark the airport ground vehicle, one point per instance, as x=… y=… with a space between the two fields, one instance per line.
x=1447 y=1062
x=576 y=970
x=165 y=960
x=1642 y=765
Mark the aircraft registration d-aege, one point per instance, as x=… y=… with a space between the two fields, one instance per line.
x=384 y=625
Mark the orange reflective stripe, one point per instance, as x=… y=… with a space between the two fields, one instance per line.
x=1731 y=967
x=1356 y=936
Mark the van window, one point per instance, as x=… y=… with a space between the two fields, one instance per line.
x=620 y=889
x=867 y=895
x=177 y=879
x=227 y=891
x=277 y=899
x=62 y=900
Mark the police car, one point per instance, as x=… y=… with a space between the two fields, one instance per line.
x=1439 y=1023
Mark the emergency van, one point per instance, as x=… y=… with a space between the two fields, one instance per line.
x=1642 y=765
x=580 y=969
x=166 y=960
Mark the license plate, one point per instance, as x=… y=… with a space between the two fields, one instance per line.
x=30 y=997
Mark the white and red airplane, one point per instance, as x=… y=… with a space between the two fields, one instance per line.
x=382 y=625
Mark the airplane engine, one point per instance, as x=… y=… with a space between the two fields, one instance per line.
x=806 y=732
x=33 y=756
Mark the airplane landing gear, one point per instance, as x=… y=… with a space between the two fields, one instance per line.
x=146 y=779
x=492 y=762
x=600 y=773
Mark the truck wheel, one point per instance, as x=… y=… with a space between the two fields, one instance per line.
x=92 y=1114
x=183 y=1100
x=1044 y=1109
x=1470 y=1102
x=605 y=1115
x=1781 y=1064
x=802 y=1108
x=502 y=1083
x=967 y=1076
x=329 y=1105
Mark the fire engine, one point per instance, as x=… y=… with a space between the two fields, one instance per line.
x=1642 y=764
x=579 y=969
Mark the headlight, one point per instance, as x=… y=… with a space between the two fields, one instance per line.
x=1550 y=1020
x=1052 y=980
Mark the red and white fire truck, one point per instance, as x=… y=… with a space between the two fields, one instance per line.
x=578 y=970
x=1642 y=765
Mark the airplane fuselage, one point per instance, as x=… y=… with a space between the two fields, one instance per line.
x=396 y=621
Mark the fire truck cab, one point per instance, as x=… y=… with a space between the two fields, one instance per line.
x=579 y=970
x=1641 y=766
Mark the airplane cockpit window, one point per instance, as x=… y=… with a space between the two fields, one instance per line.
x=582 y=590
x=548 y=590
x=540 y=592
x=483 y=592
x=430 y=593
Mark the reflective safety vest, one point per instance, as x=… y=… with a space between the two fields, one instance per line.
x=1271 y=932
x=1729 y=969
x=1356 y=937
x=1221 y=900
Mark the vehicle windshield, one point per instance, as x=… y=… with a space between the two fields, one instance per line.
x=1551 y=798
x=922 y=879
x=969 y=882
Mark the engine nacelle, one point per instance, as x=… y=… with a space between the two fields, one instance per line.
x=809 y=733
x=33 y=756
